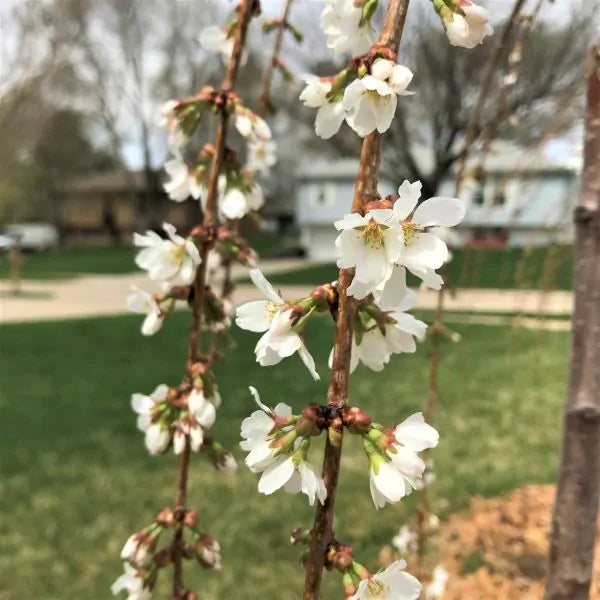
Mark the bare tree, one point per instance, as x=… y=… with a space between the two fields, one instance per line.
x=447 y=85
x=576 y=505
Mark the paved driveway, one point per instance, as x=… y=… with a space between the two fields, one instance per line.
x=105 y=295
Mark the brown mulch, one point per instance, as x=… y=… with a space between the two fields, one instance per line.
x=497 y=549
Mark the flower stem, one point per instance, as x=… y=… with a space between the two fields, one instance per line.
x=337 y=392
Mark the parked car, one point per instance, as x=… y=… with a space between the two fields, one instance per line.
x=6 y=241
x=31 y=236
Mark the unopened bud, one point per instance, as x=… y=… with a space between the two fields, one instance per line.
x=191 y=517
x=208 y=552
x=356 y=420
x=312 y=421
x=324 y=296
x=166 y=517
x=339 y=556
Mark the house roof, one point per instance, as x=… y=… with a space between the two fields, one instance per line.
x=109 y=182
x=506 y=157
x=501 y=157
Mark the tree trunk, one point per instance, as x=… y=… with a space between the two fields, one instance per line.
x=576 y=504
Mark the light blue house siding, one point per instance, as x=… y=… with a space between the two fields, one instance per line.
x=325 y=195
x=512 y=197
x=521 y=209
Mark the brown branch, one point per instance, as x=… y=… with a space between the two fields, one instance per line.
x=265 y=95
x=228 y=285
x=576 y=504
x=210 y=219
x=337 y=392
x=486 y=82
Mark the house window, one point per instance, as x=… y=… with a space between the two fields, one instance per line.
x=499 y=194
x=479 y=195
x=320 y=196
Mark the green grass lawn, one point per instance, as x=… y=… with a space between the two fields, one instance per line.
x=529 y=268
x=64 y=264
x=76 y=479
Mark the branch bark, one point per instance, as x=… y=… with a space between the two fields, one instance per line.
x=210 y=218
x=337 y=392
x=578 y=493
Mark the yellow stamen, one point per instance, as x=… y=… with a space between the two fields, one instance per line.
x=373 y=235
x=376 y=589
x=411 y=231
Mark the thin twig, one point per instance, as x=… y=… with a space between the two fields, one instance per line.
x=486 y=82
x=265 y=95
x=437 y=329
x=337 y=393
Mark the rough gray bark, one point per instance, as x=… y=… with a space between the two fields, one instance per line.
x=576 y=503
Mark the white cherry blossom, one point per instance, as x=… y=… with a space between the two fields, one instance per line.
x=471 y=29
x=171 y=261
x=132 y=582
x=144 y=303
x=157 y=435
x=201 y=416
x=370 y=244
x=370 y=102
x=274 y=317
x=340 y=21
x=376 y=347
x=437 y=587
x=330 y=115
x=137 y=548
x=234 y=202
x=250 y=125
x=257 y=432
x=218 y=40
x=294 y=475
x=423 y=251
x=262 y=155
x=392 y=584
x=169 y=121
x=404 y=540
x=182 y=183
x=395 y=474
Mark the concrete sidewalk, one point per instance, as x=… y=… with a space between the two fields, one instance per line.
x=98 y=295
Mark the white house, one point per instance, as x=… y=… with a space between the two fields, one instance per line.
x=514 y=197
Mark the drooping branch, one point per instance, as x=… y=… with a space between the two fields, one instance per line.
x=337 y=392
x=210 y=219
x=578 y=493
x=438 y=330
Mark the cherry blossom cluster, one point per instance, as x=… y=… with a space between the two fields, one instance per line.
x=466 y=23
x=277 y=443
x=394 y=235
x=239 y=193
x=143 y=558
x=171 y=262
x=365 y=94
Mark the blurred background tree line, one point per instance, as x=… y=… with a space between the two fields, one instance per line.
x=82 y=82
